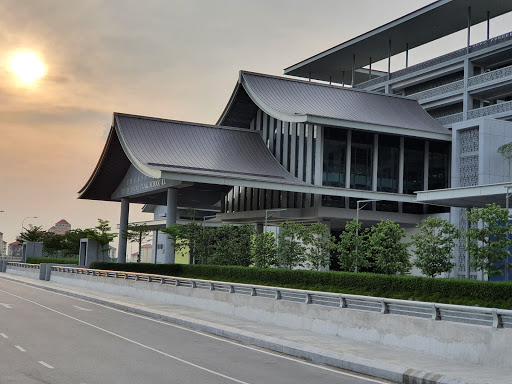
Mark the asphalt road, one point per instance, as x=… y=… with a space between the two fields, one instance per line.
x=47 y=337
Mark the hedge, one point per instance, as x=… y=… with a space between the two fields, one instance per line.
x=452 y=291
x=55 y=260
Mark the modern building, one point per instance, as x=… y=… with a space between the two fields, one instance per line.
x=418 y=141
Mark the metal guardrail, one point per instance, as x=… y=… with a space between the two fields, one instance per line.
x=497 y=318
x=24 y=265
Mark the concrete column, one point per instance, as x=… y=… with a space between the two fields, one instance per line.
x=353 y=70
x=271 y=135
x=309 y=161
x=154 y=255
x=279 y=137
x=300 y=157
x=375 y=160
x=370 y=70
x=319 y=164
x=469 y=28
x=348 y=161
x=406 y=55
x=488 y=24
x=123 y=227
x=389 y=60
x=286 y=140
x=426 y=166
x=401 y=164
x=467 y=101
x=242 y=199
x=172 y=208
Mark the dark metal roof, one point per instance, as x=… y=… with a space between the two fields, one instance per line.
x=302 y=101
x=424 y=25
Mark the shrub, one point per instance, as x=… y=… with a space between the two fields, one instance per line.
x=56 y=260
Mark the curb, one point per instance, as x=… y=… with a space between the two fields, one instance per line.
x=378 y=369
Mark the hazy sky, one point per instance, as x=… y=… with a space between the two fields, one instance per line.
x=163 y=58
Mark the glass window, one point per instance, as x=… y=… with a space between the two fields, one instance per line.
x=438 y=165
x=387 y=171
x=335 y=147
x=361 y=161
x=414 y=160
x=333 y=201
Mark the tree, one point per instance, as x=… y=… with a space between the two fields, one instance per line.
x=137 y=233
x=291 y=251
x=434 y=246
x=488 y=239
x=32 y=234
x=232 y=245
x=52 y=243
x=71 y=241
x=385 y=248
x=264 y=250
x=350 y=248
x=102 y=235
x=506 y=151
x=319 y=243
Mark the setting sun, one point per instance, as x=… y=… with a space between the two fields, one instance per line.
x=27 y=67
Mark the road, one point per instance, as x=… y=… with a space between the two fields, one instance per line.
x=47 y=337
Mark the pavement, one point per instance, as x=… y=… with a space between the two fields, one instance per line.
x=393 y=364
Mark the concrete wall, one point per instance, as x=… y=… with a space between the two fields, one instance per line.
x=21 y=271
x=471 y=343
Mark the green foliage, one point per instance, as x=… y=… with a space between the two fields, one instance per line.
x=264 y=250
x=102 y=235
x=347 y=245
x=54 y=260
x=451 y=291
x=385 y=248
x=232 y=245
x=34 y=233
x=291 y=252
x=434 y=246
x=71 y=241
x=137 y=233
x=488 y=240
x=506 y=151
x=318 y=242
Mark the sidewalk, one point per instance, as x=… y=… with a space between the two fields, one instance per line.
x=401 y=366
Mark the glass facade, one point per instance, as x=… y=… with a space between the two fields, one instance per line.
x=335 y=149
x=387 y=171
x=414 y=159
x=361 y=161
x=438 y=165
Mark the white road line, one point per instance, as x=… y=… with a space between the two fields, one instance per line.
x=4 y=335
x=129 y=340
x=20 y=348
x=82 y=309
x=291 y=358
x=45 y=364
x=6 y=305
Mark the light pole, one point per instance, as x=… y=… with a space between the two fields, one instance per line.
x=358 y=208
x=267 y=215
x=23 y=222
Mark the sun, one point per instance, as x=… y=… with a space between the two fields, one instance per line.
x=27 y=66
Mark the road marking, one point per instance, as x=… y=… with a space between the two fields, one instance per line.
x=129 y=340
x=45 y=364
x=4 y=335
x=6 y=305
x=290 y=358
x=82 y=309
x=21 y=349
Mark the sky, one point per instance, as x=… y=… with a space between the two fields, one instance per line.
x=164 y=58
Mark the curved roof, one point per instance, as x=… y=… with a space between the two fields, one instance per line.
x=303 y=101
x=424 y=25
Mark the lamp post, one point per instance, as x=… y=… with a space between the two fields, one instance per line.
x=267 y=215
x=358 y=208
x=23 y=222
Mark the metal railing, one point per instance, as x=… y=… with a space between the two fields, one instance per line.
x=438 y=60
x=438 y=91
x=23 y=265
x=497 y=318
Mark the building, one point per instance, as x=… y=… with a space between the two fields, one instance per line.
x=415 y=142
x=146 y=252
x=15 y=249
x=3 y=245
x=60 y=227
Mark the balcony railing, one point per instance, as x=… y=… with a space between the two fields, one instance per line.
x=438 y=91
x=438 y=60
x=489 y=76
x=490 y=110
x=450 y=119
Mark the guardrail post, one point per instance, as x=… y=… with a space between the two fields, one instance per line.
x=231 y=288
x=384 y=307
x=194 y=285
x=136 y=277
x=176 y=282
x=436 y=313
x=278 y=295
x=212 y=288
x=343 y=302
x=308 y=298
x=497 y=321
x=253 y=291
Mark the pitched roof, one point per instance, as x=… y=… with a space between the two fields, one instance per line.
x=62 y=222
x=302 y=101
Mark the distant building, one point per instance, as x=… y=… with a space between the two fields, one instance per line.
x=60 y=227
x=112 y=252
x=145 y=255
x=2 y=248
x=15 y=249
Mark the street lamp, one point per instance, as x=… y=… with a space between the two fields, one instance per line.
x=358 y=208
x=267 y=215
x=28 y=217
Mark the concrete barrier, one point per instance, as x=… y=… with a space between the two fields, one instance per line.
x=471 y=343
x=21 y=269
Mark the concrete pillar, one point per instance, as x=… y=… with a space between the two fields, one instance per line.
x=319 y=165
x=469 y=28
x=353 y=70
x=389 y=60
x=426 y=166
x=172 y=208
x=154 y=251
x=401 y=165
x=375 y=161
x=123 y=227
x=348 y=161
x=467 y=101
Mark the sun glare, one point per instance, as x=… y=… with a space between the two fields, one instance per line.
x=27 y=67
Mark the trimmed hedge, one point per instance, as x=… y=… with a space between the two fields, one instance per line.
x=56 y=260
x=452 y=291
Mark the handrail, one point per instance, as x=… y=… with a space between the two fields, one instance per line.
x=497 y=318
x=23 y=265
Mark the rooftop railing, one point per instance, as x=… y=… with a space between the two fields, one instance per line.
x=438 y=60
x=497 y=318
